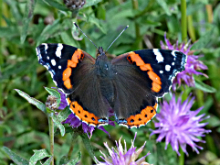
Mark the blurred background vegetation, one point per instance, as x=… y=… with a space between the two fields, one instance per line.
x=24 y=24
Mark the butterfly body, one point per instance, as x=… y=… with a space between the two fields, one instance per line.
x=129 y=84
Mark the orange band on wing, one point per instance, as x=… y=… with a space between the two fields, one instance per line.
x=67 y=73
x=142 y=118
x=77 y=55
x=81 y=114
x=156 y=81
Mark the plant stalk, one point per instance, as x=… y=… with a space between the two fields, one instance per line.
x=191 y=28
x=51 y=136
x=209 y=13
x=137 y=28
x=183 y=20
x=182 y=157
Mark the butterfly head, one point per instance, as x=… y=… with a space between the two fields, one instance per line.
x=101 y=52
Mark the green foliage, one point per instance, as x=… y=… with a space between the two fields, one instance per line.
x=24 y=24
x=16 y=158
x=32 y=100
x=38 y=155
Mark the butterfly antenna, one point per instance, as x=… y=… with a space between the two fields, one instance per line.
x=117 y=37
x=84 y=34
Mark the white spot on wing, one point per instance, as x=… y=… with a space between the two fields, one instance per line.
x=161 y=72
x=167 y=68
x=46 y=47
x=173 y=53
x=158 y=55
x=53 y=62
x=48 y=57
x=59 y=67
x=58 y=51
x=173 y=63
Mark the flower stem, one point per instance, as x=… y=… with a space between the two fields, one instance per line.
x=137 y=28
x=183 y=20
x=209 y=13
x=51 y=135
x=191 y=28
x=181 y=158
x=1 y=62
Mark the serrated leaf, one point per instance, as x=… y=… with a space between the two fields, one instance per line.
x=101 y=13
x=56 y=5
x=54 y=93
x=68 y=39
x=48 y=31
x=203 y=41
x=58 y=123
x=75 y=160
x=48 y=161
x=97 y=22
x=87 y=145
x=38 y=155
x=32 y=100
x=63 y=115
x=163 y=4
x=8 y=32
x=213 y=121
x=204 y=87
x=16 y=158
x=91 y=3
x=27 y=19
x=15 y=9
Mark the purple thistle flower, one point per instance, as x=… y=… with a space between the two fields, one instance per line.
x=122 y=156
x=192 y=64
x=74 y=122
x=179 y=125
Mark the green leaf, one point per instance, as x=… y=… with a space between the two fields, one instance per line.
x=97 y=22
x=32 y=100
x=27 y=19
x=56 y=5
x=163 y=4
x=16 y=158
x=48 y=161
x=38 y=155
x=64 y=114
x=87 y=145
x=8 y=32
x=68 y=39
x=204 y=87
x=91 y=3
x=213 y=121
x=48 y=31
x=101 y=13
x=54 y=93
x=76 y=160
x=14 y=5
x=58 y=123
x=203 y=41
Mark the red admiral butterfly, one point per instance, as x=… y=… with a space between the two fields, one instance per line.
x=130 y=84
